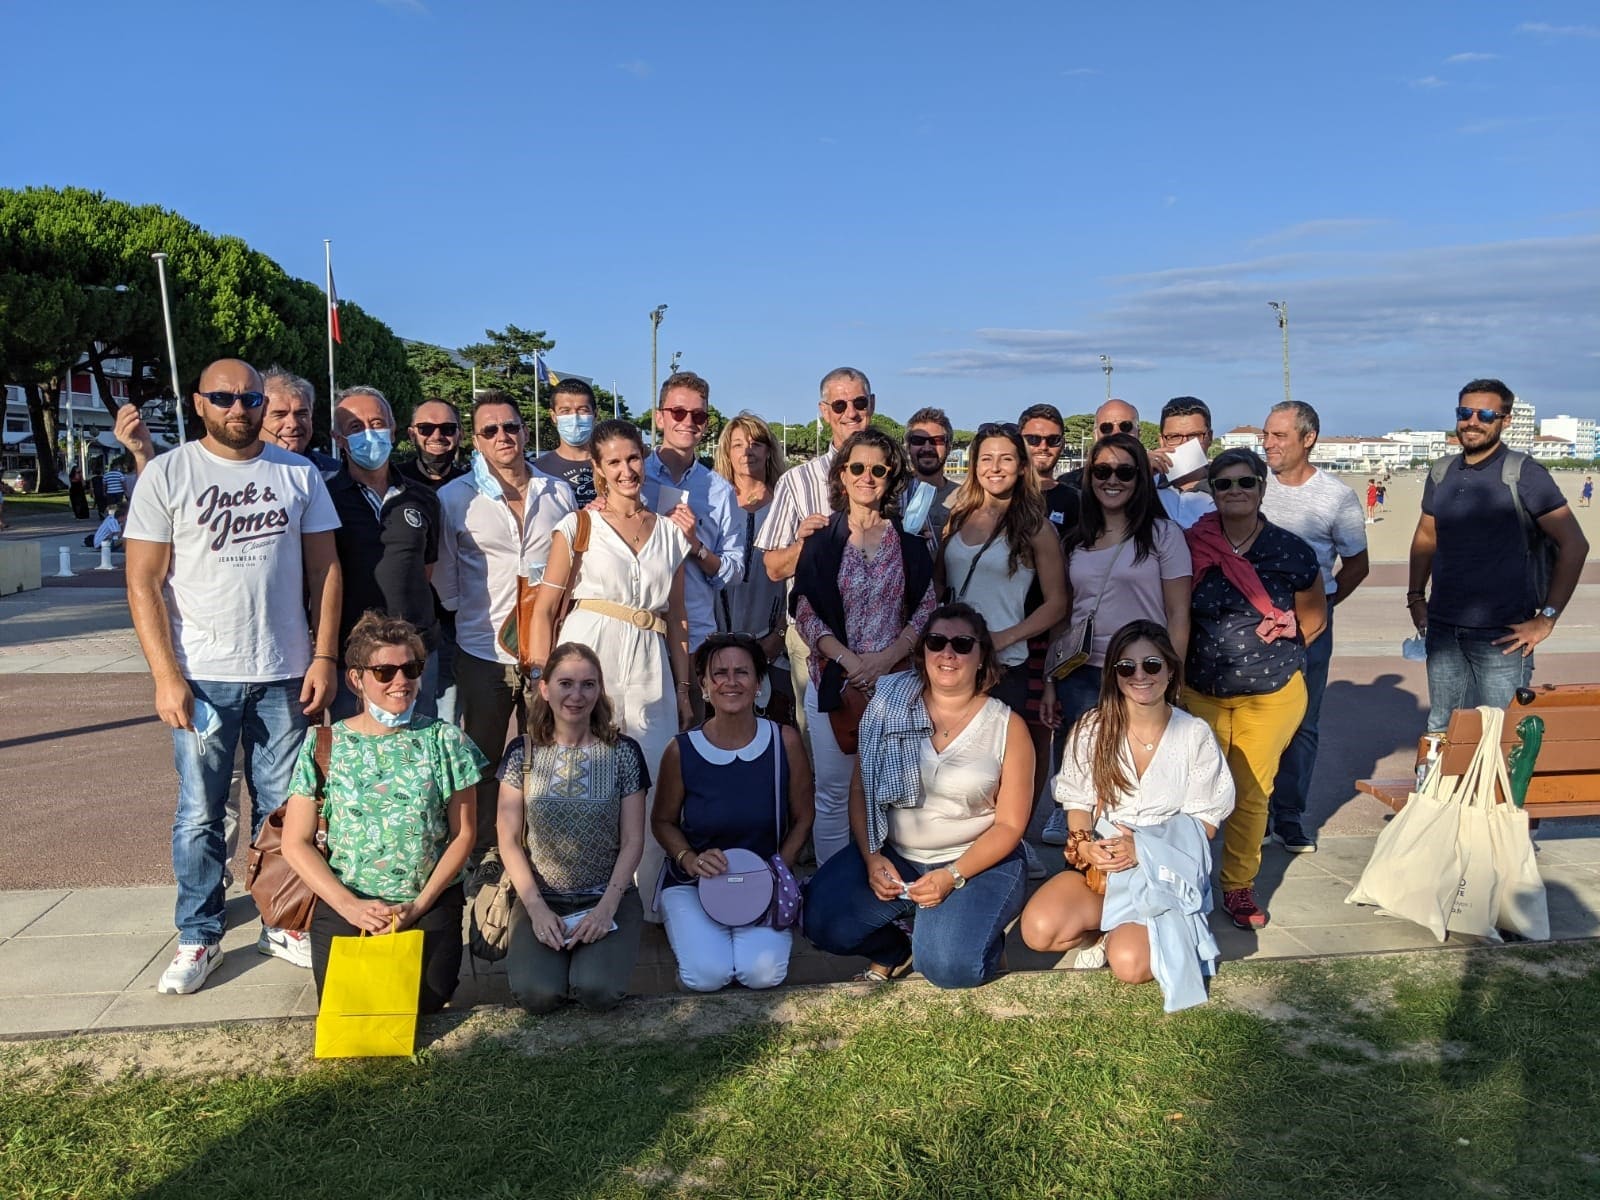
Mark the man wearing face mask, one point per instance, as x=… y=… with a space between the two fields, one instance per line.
x=436 y=433
x=573 y=405
x=388 y=538
x=929 y=439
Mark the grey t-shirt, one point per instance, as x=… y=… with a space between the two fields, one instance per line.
x=1323 y=512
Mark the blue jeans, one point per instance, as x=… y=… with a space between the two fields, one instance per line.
x=1075 y=695
x=956 y=945
x=444 y=685
x=347 y=704
x=1292 y=788
x=1466 y=669
x=269 y=720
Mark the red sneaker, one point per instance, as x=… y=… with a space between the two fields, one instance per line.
x=1240 y=904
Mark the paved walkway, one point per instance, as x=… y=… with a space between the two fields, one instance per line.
x=88 y=959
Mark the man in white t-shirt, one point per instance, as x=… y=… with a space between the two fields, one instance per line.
x=1326 y=514
x=226 y=538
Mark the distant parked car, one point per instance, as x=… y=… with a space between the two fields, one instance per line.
x=25 y=480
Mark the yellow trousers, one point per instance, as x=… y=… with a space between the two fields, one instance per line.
x=1253 y=731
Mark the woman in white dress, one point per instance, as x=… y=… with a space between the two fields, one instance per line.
x=627 y=606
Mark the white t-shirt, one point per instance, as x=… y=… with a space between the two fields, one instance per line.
x=235 y=588
x=1323 y=512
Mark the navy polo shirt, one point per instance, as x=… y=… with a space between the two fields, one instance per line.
x=1482 y=578
x=384 y=554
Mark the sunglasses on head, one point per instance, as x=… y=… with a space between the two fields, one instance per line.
x=445 y=428
x=860 y=404
x=1153 y=665
x=1123 y=471
x=1486 y=415
x=1247 y=483
x=695 y=416
x=511 y=427
x=1042 y=439
x=961 y=643
x=878 y=469
x=384 y=672
x=926 y=439
x=1107 y=428
x=997 y=428
x=229 y=399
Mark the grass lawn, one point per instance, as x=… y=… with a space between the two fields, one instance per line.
x=34 y=502
x=1425 y=1075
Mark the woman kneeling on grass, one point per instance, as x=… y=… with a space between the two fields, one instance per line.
x=938 y=803
x=738 y=782
x=1143 y=769
x=400 y=799
x=571 y=832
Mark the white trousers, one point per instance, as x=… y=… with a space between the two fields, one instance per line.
x=833 y=769
x=711 y=955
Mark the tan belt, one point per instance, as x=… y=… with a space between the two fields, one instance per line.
x=639 y=618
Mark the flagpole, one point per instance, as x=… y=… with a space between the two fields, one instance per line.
x=616 y=401
x=538 y=365
x=172 y=350
x=333 y=393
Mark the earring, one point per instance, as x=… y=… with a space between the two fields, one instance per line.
x=705 y=695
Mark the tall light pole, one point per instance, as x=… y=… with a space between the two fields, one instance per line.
x=1281 y=307
x=160 y=257
x=1105 y=365
x=656 y=314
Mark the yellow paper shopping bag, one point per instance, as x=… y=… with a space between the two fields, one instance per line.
x=369 y=996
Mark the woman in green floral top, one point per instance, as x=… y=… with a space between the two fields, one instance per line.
x=399 y=799
x=571 y=826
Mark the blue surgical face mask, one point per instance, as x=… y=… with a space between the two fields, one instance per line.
x=483 y=479
x=918 y=505
x=391 y=720
x=369 y=448
x=575 y=428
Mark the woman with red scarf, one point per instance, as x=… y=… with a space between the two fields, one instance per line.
x=1258 y=600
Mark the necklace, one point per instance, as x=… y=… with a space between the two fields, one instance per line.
x=1148 y=746
x=950 y=721
x=1238 y=547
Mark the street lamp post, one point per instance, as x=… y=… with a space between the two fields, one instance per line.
x=1281 y=307
x=656 y=314
x=1105 y=365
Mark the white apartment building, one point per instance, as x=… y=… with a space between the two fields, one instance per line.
x=81 y=411
x=1580 y=431
x=1549 y=449
x=1360 y=454
x=1524 y=427
x=1424 y=445
x=1247 y=437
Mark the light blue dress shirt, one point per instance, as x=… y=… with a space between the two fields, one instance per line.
x=720 y=524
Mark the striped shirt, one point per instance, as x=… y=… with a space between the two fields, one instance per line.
x=801 y=493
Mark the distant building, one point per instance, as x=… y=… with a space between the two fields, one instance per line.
x=1422 y=445
x=1360 y=454
x=90 y=420
x=1524 y=427
x=1247 y=437
x=1549 y=449
x=1580 y=431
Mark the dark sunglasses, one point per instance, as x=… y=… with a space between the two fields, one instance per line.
x=511 y=427
x=961 y=643
x=229 y=399
x=878 y=469
x=1247 y=483
x=1125 y=667
x=1487 y=415
x=384 y=672
x=1123 y=471
x=1042 y=439
x=1107 y=428
x=860 y=404
x=429 y=428
x=927 y=439
x=695 y=416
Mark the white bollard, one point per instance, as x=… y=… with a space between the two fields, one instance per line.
x=105 y=557
x=66 y=565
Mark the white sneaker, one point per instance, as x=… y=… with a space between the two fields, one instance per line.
x=288 y=944
x=1091 y=958
x=188 y=970
x=1055 y=828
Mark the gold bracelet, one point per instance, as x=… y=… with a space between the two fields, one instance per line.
x=333 y=658
x=678 y=857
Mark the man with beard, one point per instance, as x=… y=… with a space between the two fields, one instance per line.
x=929 y=439
x=1489 y=515
x=226 y=538
x=572 y=406
x=1044 y=433
x=436 y=433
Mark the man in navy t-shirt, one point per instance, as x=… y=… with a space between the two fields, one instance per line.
x=1488 y=607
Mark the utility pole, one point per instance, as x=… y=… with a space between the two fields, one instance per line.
x=1105 y=365
x=1281 y=307
x=656 y=314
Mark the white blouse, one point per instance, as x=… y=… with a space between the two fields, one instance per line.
x=959 y=787
x=1186 y=774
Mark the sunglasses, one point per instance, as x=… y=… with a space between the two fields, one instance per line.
x=927 y=439
x=878 y=469
x=384 y=672
x=1486 y=415
x=695 y=416
x=1042 y=439
x=1248 y=484
x=229 y=399
x=1153 y=666
x=1124 y=472
x=444 y=429
x=510 y=427
x=1107 y=428
x=860 y=404
x=961 y=643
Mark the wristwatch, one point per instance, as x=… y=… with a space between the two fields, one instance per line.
x=535 y=674
x=1549 y=613
x=961 y=880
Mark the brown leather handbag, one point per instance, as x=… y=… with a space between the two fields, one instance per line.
x=846 y=719
x=516 y=634
x=282 y=898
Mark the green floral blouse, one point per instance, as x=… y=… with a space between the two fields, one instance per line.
x=386 y=801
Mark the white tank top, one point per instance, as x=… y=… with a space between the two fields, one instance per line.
x=958 y=790
x=998 y=595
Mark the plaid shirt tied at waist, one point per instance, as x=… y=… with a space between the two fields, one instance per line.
x=893 y=728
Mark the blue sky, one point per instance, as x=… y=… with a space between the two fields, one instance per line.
x=971 y=203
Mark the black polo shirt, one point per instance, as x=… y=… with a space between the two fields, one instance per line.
x=384 y=558
x=412 y=470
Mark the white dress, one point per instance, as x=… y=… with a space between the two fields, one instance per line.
x=633 y=661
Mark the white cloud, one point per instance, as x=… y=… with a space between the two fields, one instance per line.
x=1428 y=82
x=1544 y=29
x=1330 y=227
x=1080 y=72
x=636 y=67
x=1471 y=56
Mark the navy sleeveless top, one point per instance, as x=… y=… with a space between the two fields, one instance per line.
x=727 y=795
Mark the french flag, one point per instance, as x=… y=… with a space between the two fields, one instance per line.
x=333 y=310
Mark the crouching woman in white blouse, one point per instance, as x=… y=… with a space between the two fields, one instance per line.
x=1137 y=761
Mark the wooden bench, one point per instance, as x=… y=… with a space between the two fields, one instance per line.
x=1566 y=775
